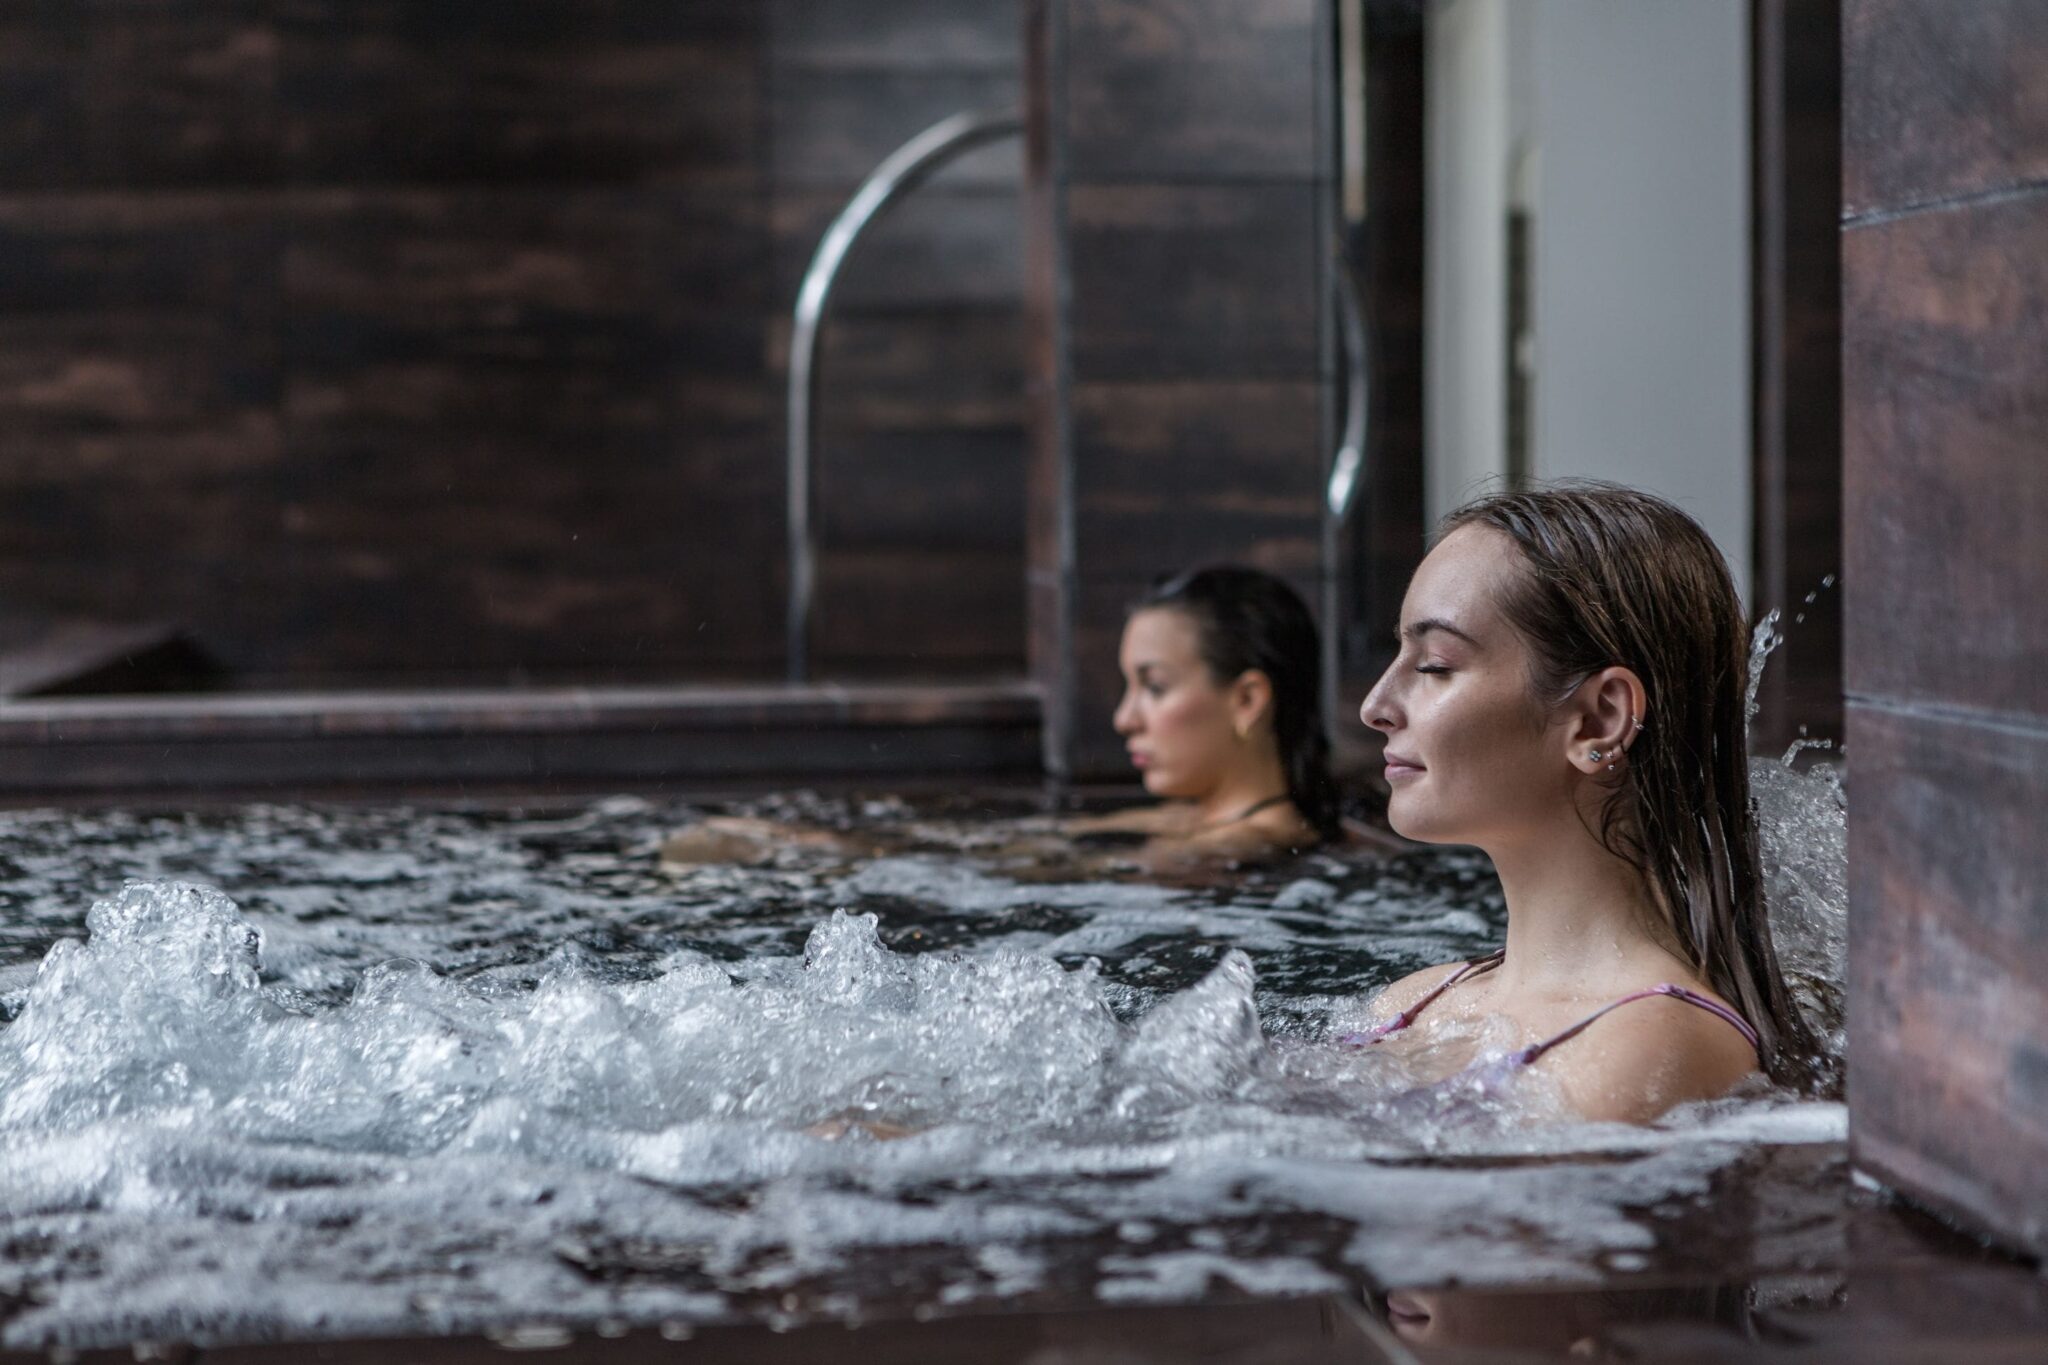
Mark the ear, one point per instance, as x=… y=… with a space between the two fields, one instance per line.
x=1251 y=700
x=1606 y=710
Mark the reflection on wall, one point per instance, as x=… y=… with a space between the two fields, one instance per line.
x=401 y=342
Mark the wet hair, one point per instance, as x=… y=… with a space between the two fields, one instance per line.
x=1246 y=619
x=1613 y=576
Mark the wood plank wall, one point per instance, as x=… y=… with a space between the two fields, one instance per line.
x=403 y=342
x=1180 y=200
x=920 y=481
x=1796 y=176
x=1945 y=315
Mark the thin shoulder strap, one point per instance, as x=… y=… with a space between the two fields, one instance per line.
x=1714 y=1007
x=1408 y=1016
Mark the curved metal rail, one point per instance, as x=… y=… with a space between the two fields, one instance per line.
x=1347 y=476
x=900 y=172
x=1349 y=464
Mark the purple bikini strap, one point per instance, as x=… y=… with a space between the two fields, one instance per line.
x=1408 y=1016
x=1530 y=1053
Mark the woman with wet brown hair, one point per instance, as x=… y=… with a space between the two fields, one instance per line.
x=1221 y=715
x=1569 y=697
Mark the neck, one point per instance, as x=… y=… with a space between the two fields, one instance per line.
x=1577 y=914
x=1259 y=777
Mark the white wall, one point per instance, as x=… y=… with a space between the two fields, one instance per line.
x=1624 y=127
x=1465 y=216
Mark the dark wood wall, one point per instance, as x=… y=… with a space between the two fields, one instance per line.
x=1796 y=177
x=405 y=341
x=1180 y=198
x=920 y=482
x=1945 y=316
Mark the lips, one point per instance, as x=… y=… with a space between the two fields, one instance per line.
x=1140 y=759
x=1400 y=765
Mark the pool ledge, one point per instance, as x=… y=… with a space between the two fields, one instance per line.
x=264 y=743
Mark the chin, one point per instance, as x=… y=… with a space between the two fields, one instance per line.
x=1417 y=825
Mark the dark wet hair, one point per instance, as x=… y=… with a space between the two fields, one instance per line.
x=1614 y=576
x=1246 y=619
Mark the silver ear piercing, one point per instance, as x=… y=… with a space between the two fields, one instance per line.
x=1639 y=723
x=1597 y=755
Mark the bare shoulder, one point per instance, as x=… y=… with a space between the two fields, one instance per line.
x=1161 y=819
x=1405 y=993
x=1643 y=1059
x=1272 y=833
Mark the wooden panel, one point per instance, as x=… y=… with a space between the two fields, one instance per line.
x=1210 y=89
x=1168 y=476
x=1386 y=256
x=955 y=369
x=1194 y=281
x=1796 y=317
x=1966 y=112
x=944 y=247
x=468 y=90
x=831 y=127
x=1946 y=489
x=527 y=740
x=929 y=490
x=1945 y=492
x=461 y=336
x=871 y=34
x=1947 y=875
x=919 y=612
x=135 y=96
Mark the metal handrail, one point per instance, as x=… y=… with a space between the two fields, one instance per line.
x=901 y=171
x=1347 y=476
x=1348 y=466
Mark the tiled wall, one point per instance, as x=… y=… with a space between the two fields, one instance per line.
x=398 y=342
x=1945 y=317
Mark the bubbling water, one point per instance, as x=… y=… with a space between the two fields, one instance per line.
x=438 y=1071
x=160 y=1015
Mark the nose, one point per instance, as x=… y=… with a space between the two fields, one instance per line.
x=1377 y=710
x=1126 y=718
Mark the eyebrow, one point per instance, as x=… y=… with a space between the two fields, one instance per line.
x=1417 y=629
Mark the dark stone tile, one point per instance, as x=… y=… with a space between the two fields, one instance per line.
x=941 y=247
x=1941 y=100
x=624 y=283
x=953 y=370
x=1215 y=90
x=914 y=610
x=1177 y=281
x=918 y=34
x=829 y=128
x=1797 y=479
x=1168 y=476
x=1949 y=1079
x=932 y=491
x=1945 y=488
x=386 y=91
x=134 y=96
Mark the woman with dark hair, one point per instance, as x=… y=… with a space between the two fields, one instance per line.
x=1569 y=697
x=1222 y=716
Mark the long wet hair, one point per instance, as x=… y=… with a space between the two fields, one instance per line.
x=1246 y=619
x=1613 y=576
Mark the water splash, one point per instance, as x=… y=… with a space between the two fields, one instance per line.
x=189 y=1149
x=1802 y=826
